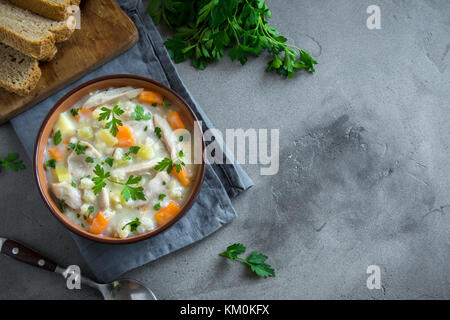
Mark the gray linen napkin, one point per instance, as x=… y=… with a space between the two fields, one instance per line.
x=212 y=208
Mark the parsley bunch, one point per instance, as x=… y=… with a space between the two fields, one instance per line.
x=128 y=191
x=11 y=162
x=256 y=260
x=205 y=28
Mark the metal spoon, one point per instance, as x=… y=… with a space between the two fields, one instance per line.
x=124 y=289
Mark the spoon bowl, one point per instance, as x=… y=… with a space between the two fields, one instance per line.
x=126 y=289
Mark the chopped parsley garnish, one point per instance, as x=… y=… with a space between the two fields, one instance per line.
x=134 y=149
x=62 y=205
x=109 y=161
x=74 y=184
x=57 y=138
x=138 y=114
x=79 y=148
x=256 y=260
x=90 y=210
x=161 y=196
x=114 y=122
x=166 y=105
x=89 y=160
x=158 y=132
x=146 y=128
x=74 y=111
x=180 y=138
x=11 y=162
x=50 y=163
x=133 y=225
x=157 y=206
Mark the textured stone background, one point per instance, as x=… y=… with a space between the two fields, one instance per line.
x=363 y=167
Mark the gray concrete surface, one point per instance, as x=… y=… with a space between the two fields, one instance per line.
x=364 y=175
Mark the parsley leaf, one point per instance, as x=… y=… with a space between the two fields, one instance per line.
x=157 y=206
x=134 y=149
x=57 y=138
x=89 y=160
x=158 y=132
x=161 y=196
x=99 y=181
x=62 y=205
x=256 y=261
x=79 y=148
x=169 y=164
x=114 y=122
x=138 y=114
x=133 y=225
x=74 y=111
x=12 y=162
x=50 y=163
x=90 y=210
x=133 y=192
x=109 y=161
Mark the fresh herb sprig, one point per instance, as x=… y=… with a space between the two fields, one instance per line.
x=78 y=148
x=115 y=121
x=11 y=162
x=129 y=191
x=133 y=225
x=204 y=29
x=133 y=149
x=169 y=164
x=139 y=114
x=256 y=261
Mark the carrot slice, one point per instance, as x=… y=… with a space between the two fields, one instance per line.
x=98 y=224
x=86 y=111
x=150 y=97
x=182 y=176
x=56 y=153
x=175 y=120
x=125 y=137
x=167 y=213
x=66 y=141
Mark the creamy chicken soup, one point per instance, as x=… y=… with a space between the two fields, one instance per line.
x=120 y=162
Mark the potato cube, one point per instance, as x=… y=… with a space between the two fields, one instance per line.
x=66 y=125
x=145 y=152
x=85 y=133
x=107 y=137
x=61 y=172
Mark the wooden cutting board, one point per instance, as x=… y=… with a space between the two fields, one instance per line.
x=106 y=32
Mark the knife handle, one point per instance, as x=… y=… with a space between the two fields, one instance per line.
x=20 y=252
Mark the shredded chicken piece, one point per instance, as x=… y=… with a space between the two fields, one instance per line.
x=111 y=95
x=70 y=195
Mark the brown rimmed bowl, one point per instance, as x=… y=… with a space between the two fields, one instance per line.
x=68 y=101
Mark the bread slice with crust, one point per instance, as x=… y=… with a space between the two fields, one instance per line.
x=30 y=33
x=53 y=9
x=19 y=73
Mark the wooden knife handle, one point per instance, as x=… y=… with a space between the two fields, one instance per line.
x=20 y=252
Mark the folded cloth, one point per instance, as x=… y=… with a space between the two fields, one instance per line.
x=213 y=207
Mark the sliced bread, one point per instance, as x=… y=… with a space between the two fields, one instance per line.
x=53 y=9
x=19 y=73
x=30 y=33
